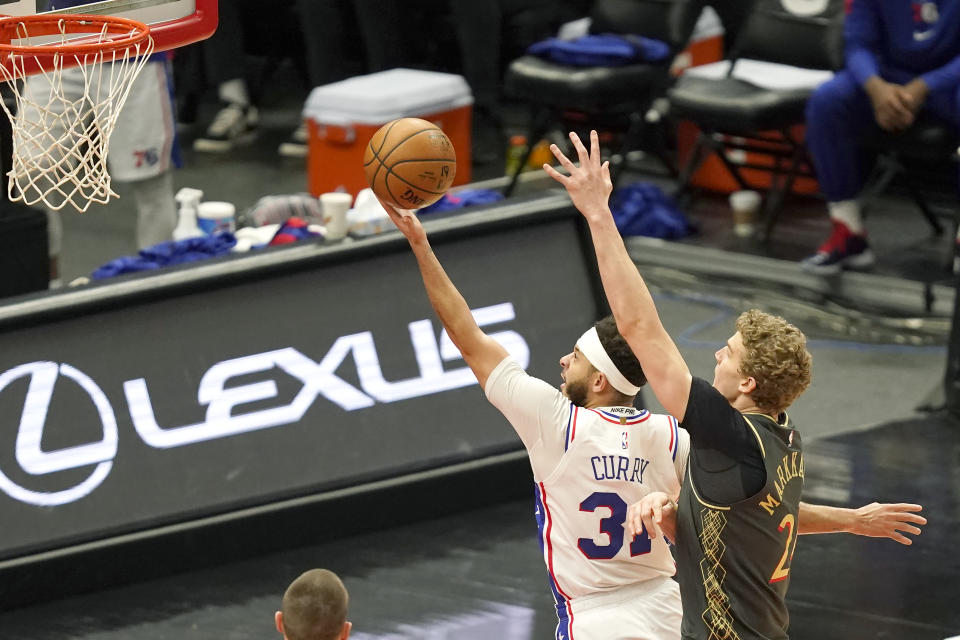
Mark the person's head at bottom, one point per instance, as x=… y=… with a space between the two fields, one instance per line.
x=314 y=607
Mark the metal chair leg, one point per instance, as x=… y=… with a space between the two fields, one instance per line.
x=539 y=123
x=721 y=151
x=697 y=156
x=630 y=139
x=924 y=206
x=776 y=195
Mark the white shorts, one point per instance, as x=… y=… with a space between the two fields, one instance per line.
x=142 y=142
x=648 y=610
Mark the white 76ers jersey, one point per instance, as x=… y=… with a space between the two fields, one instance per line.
x=589 y=466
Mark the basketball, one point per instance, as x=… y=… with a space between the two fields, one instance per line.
x=410 y=163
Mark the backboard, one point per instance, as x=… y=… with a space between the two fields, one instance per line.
x=173 y=23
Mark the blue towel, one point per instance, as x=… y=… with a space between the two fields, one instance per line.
x=642 y=209
x=601 y=50
x=169 y=253
x=463 y=198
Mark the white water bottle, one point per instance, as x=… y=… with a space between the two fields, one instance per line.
x=189 y=201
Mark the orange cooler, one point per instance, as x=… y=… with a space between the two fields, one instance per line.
x=343 y=116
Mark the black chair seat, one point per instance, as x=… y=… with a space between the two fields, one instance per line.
x=732 y=105
x=587 y=88
x=927 y=139
x=808 y=37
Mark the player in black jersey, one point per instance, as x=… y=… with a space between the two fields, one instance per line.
x=739 y=510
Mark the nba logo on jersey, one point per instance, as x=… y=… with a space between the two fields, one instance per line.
x=623 y=440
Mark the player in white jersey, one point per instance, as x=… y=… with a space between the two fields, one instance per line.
x=592 y=454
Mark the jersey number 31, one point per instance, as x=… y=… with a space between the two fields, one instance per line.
x=612 y=526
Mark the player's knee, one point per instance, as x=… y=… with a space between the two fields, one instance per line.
x=831 y=101
x=821 y=104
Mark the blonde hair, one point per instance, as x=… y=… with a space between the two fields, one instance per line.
x=775 y=355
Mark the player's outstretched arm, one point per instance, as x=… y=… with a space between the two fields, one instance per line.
x=873 y=520
x=481 y=352
x=589 y=186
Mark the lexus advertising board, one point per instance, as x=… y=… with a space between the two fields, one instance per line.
x=191 y=404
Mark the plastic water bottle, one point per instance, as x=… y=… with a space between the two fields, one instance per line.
x=515 y=153
x=189 y=201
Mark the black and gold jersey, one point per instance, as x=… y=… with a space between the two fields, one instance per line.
x=733 y=560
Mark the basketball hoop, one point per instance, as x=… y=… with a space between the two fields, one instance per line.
x=63 y=121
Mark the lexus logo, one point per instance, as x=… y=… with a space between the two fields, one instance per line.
x=224 y=403
x=32 y=459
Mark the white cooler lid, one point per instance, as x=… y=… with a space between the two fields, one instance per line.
x=378 y=98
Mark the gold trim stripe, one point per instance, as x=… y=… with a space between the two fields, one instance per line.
x=693 y=488
x=763 y=452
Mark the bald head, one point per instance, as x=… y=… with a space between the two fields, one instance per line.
x=315 y=607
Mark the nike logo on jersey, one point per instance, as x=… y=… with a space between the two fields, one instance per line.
x=618 y=468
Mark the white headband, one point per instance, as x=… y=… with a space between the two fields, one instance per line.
x=589 y=345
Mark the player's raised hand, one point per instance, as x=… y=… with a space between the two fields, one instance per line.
x=878 y=520
x=656 y=512
x=406 y=221
x=588 y=184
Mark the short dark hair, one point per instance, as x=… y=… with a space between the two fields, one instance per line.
x=314 y=606
x=619 y=351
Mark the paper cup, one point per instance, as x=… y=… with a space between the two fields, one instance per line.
x=745 y=205
x=335 y=206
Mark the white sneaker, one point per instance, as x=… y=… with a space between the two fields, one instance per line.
x=296 y=145
x=233 y=124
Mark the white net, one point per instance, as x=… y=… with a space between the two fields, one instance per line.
x=64 y=115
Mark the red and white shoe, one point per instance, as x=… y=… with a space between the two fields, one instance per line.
x=842 y=250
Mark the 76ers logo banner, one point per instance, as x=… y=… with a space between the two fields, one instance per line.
x=925 y=17
x=925 y=12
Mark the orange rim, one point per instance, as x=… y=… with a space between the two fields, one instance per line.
x=118 y=34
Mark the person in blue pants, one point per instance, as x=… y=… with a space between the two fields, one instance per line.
x=901 y=59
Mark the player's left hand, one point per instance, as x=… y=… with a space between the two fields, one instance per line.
x=589 y=184
x=406 y=221
x=878 y=520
